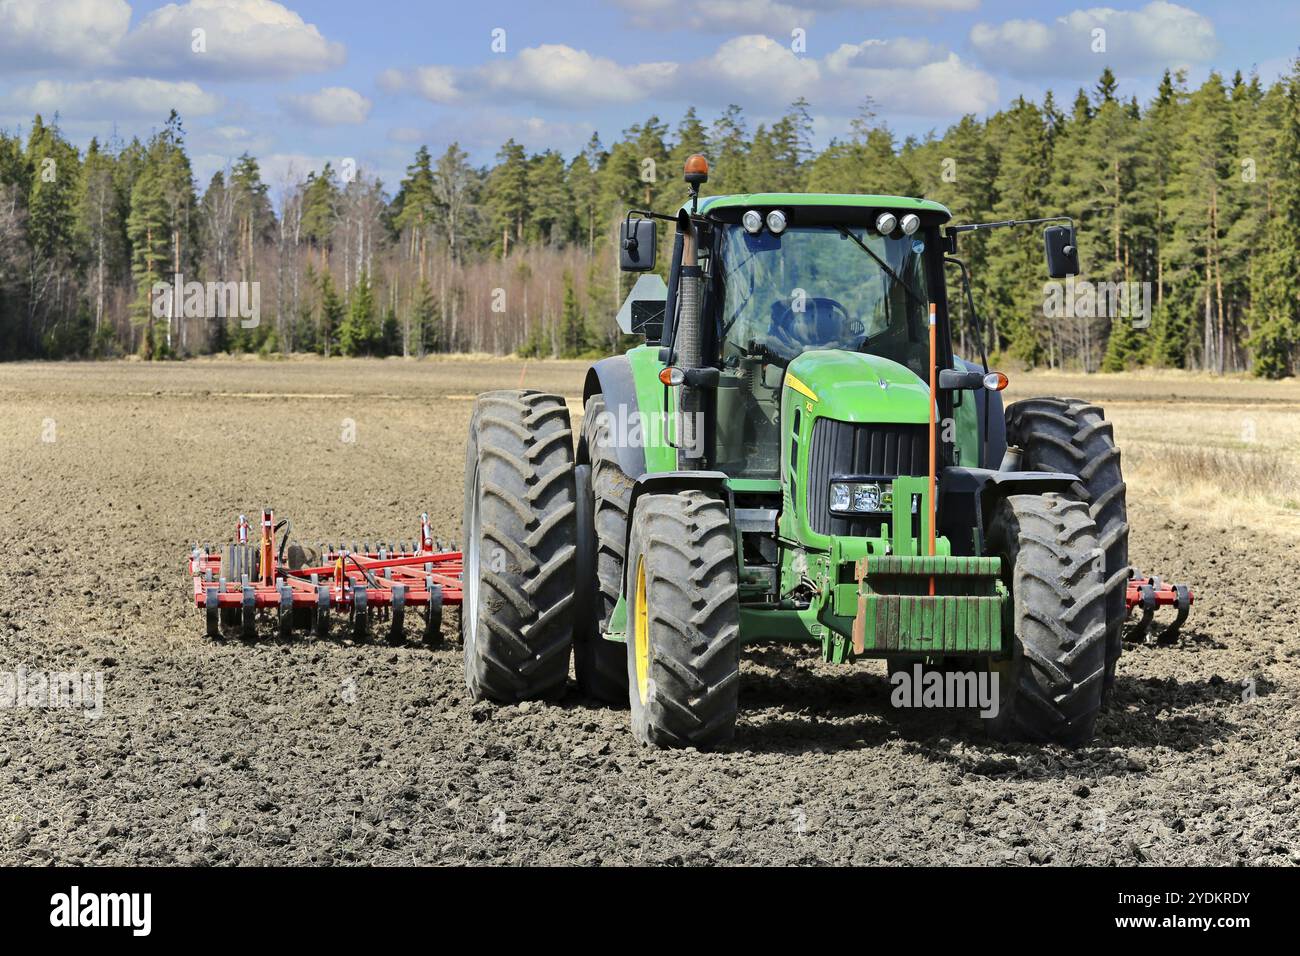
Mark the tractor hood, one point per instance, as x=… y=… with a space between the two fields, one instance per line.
x=858 y=387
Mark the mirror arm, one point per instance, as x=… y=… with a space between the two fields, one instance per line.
x=650 y=214
x=978 y=226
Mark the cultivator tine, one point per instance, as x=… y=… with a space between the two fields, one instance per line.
x=1183 y=604
x=1148 y=604
x=398 y=613
x=433 y=614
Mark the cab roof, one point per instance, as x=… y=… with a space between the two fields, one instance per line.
x=853 y=200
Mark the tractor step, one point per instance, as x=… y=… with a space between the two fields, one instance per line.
x=242 y=584
x=1150 y=593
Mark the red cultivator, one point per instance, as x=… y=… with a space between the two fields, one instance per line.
x=305 y=586
x=1151 y=593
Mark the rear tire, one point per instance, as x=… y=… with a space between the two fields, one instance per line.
x=1073 y=436
x=520 y=546
x=683 y=636
x=1050 y=688
x=601 y=665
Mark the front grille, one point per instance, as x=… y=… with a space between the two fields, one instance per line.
x=846 y=448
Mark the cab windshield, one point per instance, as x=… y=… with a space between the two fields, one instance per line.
x=812 y=287
x=823 y=287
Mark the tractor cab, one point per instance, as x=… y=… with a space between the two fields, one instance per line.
x=788 y=274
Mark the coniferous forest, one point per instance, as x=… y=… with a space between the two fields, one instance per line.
x=1196 y=192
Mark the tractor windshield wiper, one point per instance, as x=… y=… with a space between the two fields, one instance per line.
x=844 y=231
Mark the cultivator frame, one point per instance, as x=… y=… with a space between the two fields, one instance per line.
x=1150 y=593
x=242 y=582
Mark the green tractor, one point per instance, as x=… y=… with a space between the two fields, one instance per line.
x=795 y=455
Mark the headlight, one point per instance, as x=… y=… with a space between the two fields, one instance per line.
x=885 y=223
x=752 y=220
x=862 y=497
x=841 y=496
x=910 y=223
x=776 y=222
x=866 y=497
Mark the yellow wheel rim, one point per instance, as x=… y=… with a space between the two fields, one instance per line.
x=641 y=634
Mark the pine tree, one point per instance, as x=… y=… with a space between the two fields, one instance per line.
x=1274 y=318
x=552 y=210
x=413 y=208
x=320 y=207
x=507 y=195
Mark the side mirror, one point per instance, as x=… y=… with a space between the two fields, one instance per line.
x=1062 y=253
x=636 y=245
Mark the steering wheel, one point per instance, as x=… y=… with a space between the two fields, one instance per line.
x=816 y=324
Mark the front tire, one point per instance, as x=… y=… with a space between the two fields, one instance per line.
x=520 y=546
x=683 y=636
x=1073 y=436
x=1050 y=689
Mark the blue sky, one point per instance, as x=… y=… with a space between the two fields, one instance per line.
x=299 y=83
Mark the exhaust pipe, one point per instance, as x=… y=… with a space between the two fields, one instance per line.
x=689 y=347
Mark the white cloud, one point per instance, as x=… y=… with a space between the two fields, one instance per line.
x=242 y=39
x=482 y=132
x=902 y=81
x=759 y=16
x=107 y=100
x=1142 y=42
x=435 y=83
x=902 y=76
x=552 y=73
x=745 y=65
x=39 y=34
x=332 y=106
